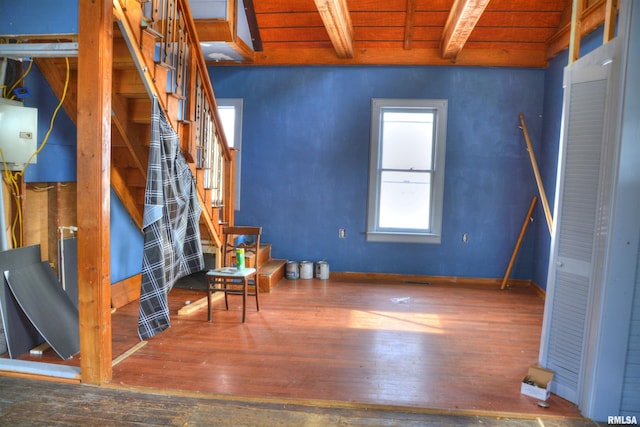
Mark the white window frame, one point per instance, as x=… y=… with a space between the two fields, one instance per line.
x=237 y=104
x=434 y=232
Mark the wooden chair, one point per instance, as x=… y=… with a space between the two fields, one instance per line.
x=230 y=279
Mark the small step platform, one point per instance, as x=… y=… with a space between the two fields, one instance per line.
x=270 y=273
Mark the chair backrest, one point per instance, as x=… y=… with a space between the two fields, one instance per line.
x=246 y=237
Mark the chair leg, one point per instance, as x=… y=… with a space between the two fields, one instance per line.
x=257 y=299
x=245 y=287
x=209 y=305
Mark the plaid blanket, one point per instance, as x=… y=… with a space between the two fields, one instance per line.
x=172 y=246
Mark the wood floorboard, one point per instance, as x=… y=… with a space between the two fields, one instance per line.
x=439 y=346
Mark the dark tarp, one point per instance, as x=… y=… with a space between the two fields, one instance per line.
x=21 y=335
x=172 y=246
x=47 y=306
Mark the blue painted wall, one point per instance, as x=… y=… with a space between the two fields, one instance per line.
x=126 y=243
x=38 y=17
x=305 y=163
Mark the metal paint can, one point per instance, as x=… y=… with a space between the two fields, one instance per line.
x=292 y=270
x=306 y=270
x=322 y=270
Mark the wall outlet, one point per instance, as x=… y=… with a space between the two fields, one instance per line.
x=342 y=233
x=465 y=238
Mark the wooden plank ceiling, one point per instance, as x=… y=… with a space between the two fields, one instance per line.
x=520 y=33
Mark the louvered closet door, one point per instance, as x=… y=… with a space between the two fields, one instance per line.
x=575 y=243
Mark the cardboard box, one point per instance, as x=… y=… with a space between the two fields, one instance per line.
x=537 y=383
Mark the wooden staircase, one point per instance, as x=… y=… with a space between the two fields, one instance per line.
x=149 y=60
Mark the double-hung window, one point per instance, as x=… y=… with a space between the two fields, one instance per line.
x=406 y=170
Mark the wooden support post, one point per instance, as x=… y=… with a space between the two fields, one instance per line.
x=519 y=242
x=95 y=56
x=611 y=10
x=536 y=171
x=576 y=24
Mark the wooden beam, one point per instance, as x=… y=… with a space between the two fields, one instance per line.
x=95 y=54
x=408 y=23
x=462 y=20
x=337 y=21
x=576 y=34
x=391 y=56
x=611 y=10
x=252 y=20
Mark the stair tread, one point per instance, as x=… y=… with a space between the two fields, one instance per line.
x=271 y=266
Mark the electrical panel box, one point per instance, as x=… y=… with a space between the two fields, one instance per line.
x=18 y=134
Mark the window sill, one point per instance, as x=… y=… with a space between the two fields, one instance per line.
x=377 y=236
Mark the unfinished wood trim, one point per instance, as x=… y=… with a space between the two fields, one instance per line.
x=611 y=10
x=591 y=18
x=129 y=352
x=95 y=55
x=576 y=34
x=408 y=23
x=254 y=30
x=126 y=291
x=191 y=308
x=337 y=21
x=391 y=56
x=523 y=230
x=462 y=20
x=537 y=175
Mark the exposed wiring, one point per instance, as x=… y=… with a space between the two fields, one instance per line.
x=53 y=118
x=12 y=178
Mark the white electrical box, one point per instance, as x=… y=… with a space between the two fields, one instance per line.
x=18 y=134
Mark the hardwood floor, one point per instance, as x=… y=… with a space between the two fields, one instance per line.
x=443 y=347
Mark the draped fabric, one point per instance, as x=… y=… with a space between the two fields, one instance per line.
x=172 y=246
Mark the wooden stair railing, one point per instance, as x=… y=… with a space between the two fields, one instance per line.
x=162 y=39
x=149 y=60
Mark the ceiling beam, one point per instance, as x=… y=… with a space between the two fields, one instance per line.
x=396 y=56
x=462 y=20
x=336 y=19
x=408 y=23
